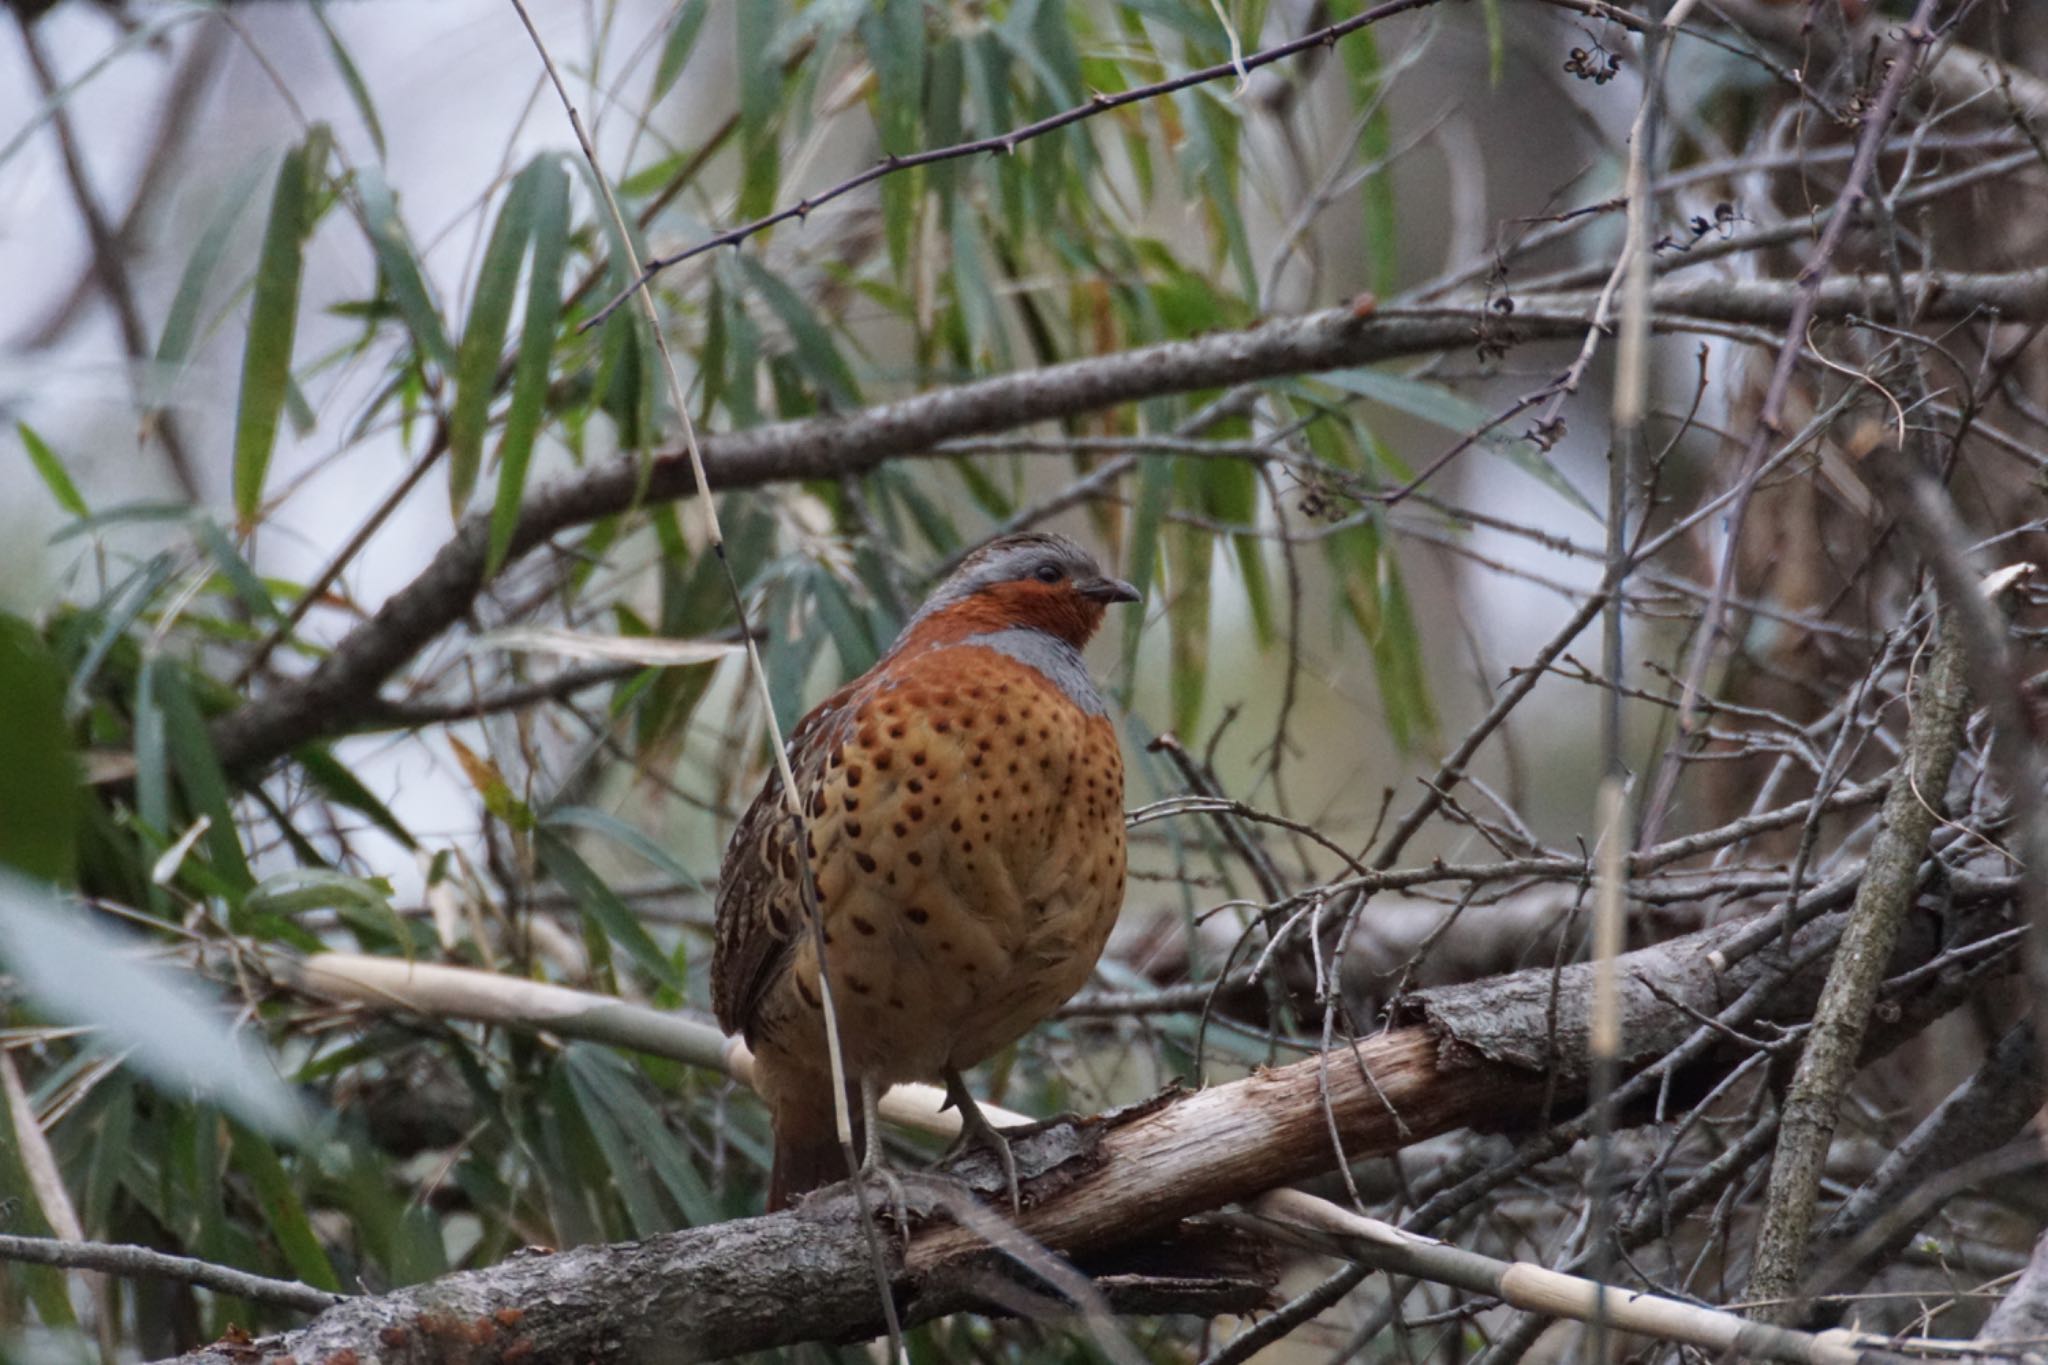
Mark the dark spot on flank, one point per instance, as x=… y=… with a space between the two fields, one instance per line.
x=896 y=1002
x=900 y=829
x=853 y=776
x=916 y=811
x=867 y=864
x=1002 y=717
x=853 y=829
x=942 y=726
x=970 y=968
x=956 y=824
x=838 y=755
x=917 y=759
x=1044 y=732
x=916 y=859
x=967 y=845
x=809 y=999
x=866 y=929
x=852 y=804
x=917 y=914
x=915 y=785
x=881 y=763
x=895 y=732
x=867 y=737
x=945 y=945
x=858 y=986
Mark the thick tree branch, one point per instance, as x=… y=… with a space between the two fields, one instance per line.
x=1485 y=1055
x=341 y=693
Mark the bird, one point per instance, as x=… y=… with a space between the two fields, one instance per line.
x=960 y=860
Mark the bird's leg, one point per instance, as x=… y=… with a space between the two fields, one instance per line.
x=975 y=1128
x=873 y=1164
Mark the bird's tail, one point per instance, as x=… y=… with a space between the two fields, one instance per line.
x=807 y=1150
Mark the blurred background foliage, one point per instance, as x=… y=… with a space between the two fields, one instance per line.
x=349 y=306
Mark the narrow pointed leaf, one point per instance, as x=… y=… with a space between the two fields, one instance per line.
x=483 y=339
x=550 y=230
x=39 y=774
x=603 y=906
x=76 y=973
x=273 y=323
x=400 y=264
x=51 y=470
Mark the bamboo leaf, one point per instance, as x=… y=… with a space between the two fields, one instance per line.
x=181 y=323
x=1439 y=406
x=39 y=773
x=200 y=775
x=549 y=192
x=624 y=835
x=351 y=77
x=282 y=1209
x=401 y=269
x=273 y=323
x=676 y=48
x=338 y=784
x=51 y=470
x=603 y=906
x=483 y=337
x=76 y=973
x=814 y=346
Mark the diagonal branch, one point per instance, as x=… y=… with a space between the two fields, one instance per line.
x=341 y=692
x=1485 y=1055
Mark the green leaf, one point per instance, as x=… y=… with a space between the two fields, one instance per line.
x=814 y=348
x=339 y=785
x=273 y=322
x=483 y=337
x=39 y=773
x=675 y=49
x=401 y=269
x=181 y=323
x=76 y=973
x=1373 y=593
x=351 y=77
x=550 y=194
x=603 y=906
x=624 y=835
x=279 y=1201
x=610 y=1088
x=760 y=82
x=317 y=888
x=1191 y=551
x=247 y=586
x=1439 y=406
x=51 y=469
x=200 y=775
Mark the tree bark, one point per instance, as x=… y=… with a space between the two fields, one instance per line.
x=1489 y=1055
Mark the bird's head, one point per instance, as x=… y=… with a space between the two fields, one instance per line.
x=1034 y=580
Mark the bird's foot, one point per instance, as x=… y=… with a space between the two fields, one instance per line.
x=976 y=1130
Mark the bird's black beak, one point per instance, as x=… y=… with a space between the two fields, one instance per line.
x=1106 y=590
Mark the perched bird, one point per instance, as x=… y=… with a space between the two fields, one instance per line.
x=963 y=846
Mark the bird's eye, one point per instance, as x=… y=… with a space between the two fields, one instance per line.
x=1048 y=573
